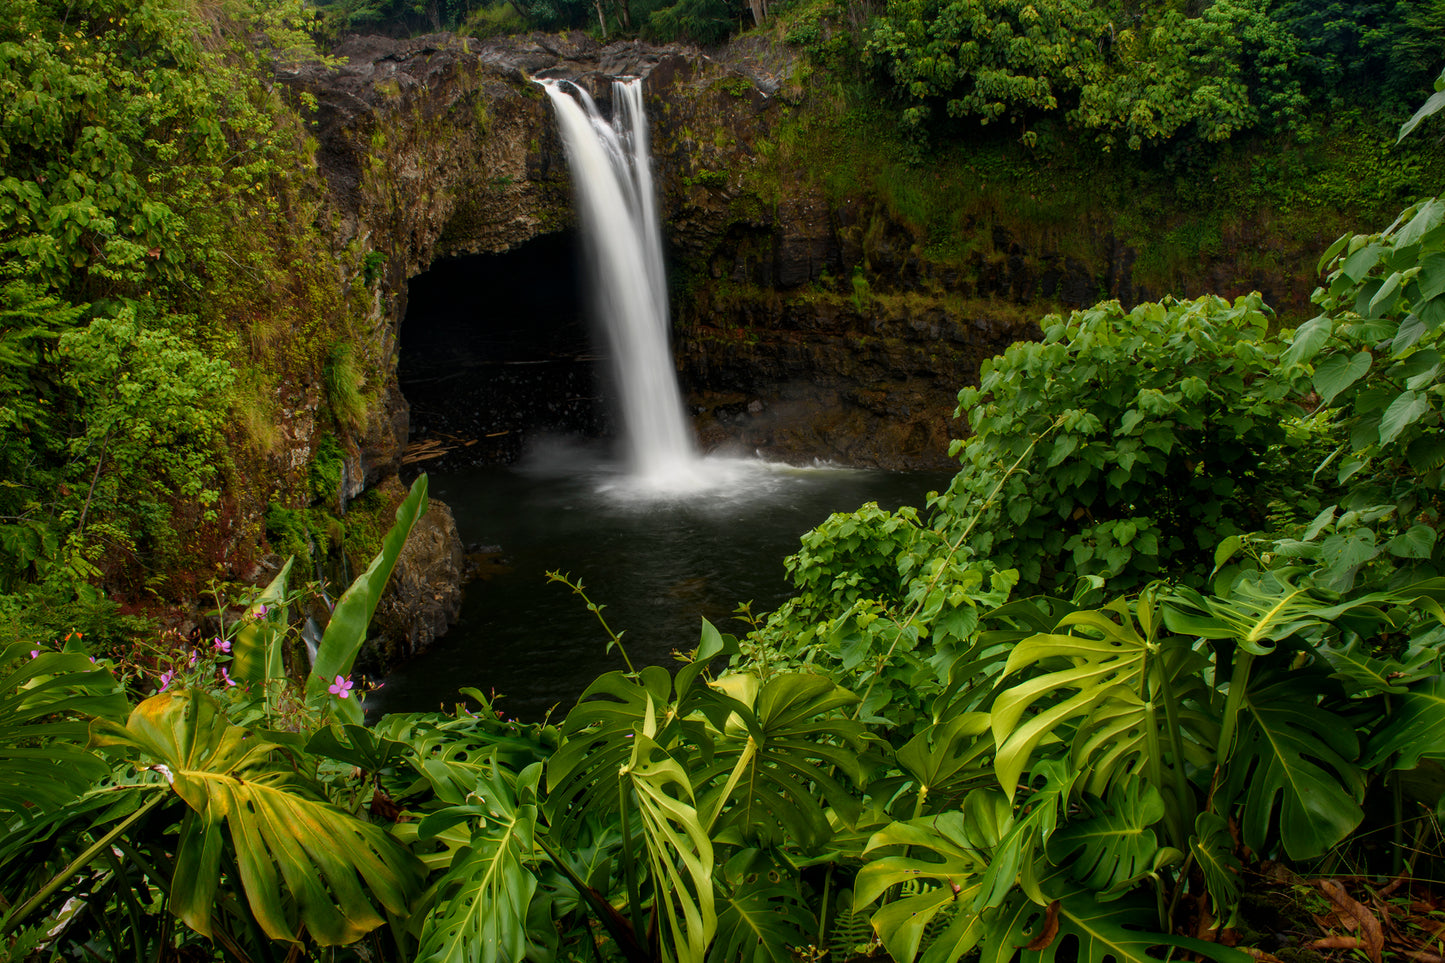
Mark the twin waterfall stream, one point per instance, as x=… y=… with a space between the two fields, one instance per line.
x=612 y=176
x=660 y=535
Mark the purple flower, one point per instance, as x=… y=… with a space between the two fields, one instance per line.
x=194 y=656
x=221 y=645
x=227 y=676
x=260 y=612
x=341 y=688
x=166 y=678
x=34 y=653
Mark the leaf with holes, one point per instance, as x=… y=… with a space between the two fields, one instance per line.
x=478 y=911
x=1114 y=846
x=761 y=913
x=1213 y=851
x=770 y=774
x=679 y=853
x=1294 y=759
x=942 y=851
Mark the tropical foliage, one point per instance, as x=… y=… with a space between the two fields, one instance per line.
x=924 y=751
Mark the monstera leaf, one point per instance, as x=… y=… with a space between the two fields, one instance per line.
x=582 y=776
x=1213 y=851
x=1114 y=848
x=1114 y=932
x=947 y=759
x=43 y=760
x=944 y=853
x=1415 y=728
x=678 y=851
x=772 y=761
x=302 y=862
x=761 y=914
x=1294 y=757
x=1121 y=698
x=478 y=911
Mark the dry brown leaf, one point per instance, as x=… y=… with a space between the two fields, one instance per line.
x=1050 y=930
x=1261 y=955
x=1420 y=956
x=1336 y=943
x=1355 y=917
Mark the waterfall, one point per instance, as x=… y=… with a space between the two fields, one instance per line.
x=612 y=179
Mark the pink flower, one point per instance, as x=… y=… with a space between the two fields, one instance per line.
x=194 y=656
x=34 y=653
x=341 y=688
x=227 y=676
x=221 y=645
x=166 y=678
x=260 y=612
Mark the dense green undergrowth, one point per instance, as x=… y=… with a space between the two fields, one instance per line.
x=1180 y=613
x=160 y=216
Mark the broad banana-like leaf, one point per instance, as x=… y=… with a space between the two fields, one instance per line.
x=761 y=913
x=44 y=763
x=1213 y=850
x=1115 y=846
x=346 y=632
x=770 y=771
x=1111 y=701
x=1414 y=728
x=1296 y=757
x=679 y=853
x=302 y=861
x=942 y=851
x=1114 y=932
x=478 y=912
x=256 y=651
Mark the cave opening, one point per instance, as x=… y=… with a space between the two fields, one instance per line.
x=495 y=352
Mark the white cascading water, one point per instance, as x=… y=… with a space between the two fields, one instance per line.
x=612 y=178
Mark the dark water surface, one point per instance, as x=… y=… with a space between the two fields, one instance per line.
x=658 y=563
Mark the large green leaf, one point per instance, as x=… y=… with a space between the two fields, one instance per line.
x=302 y=861
x=1115 y=846
x=43 y=699
x=771 y=766
x=1113 y=932
x=1110 y=700
x=582 y=776
x=1415 y=727
x=1213 y=849
x=346 y=632
x=945 y=852
x=762 y=915
x=947 y=759
x=478 y=911
x=1295 y=757
x=679 y=853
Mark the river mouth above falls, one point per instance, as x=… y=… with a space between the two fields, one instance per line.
x=658 y=564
